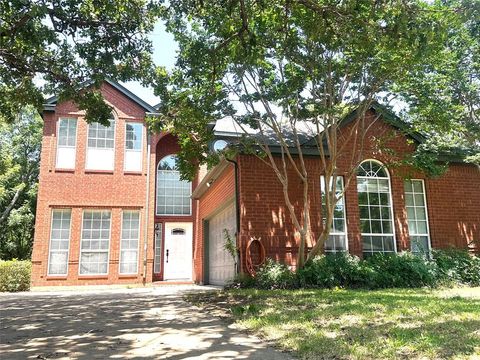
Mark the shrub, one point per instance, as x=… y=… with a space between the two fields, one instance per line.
x=274 y=275
x=404 y=270
x=241 y=281
x=457 y=266
x=15 y=275
x=332 y=270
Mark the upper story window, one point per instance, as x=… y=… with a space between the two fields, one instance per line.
x=416 y=205
x=173 y=194
x=100 y=146
x=376 y=214
x=133 y=146
x=66 y=143
x=337 y=240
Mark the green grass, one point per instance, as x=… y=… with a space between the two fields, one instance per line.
x=360 y=324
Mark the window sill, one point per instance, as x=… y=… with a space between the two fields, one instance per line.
x=60 y=170
x=98 y=171
x=56 y=277
x=92 y=277
x=138 y=173
x=128 y=276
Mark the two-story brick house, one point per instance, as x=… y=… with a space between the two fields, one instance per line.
x=112 y=208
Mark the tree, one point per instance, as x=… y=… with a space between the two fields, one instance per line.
x=19 y=168
x=289 y=69
x=63 y=44
x=446 y=86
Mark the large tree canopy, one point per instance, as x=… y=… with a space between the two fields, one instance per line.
x=282 y=66
x=55 y=46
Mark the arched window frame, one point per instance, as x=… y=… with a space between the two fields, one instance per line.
x=388 y=178
x=160 y=172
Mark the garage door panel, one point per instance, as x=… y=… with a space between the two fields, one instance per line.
x=221 y=264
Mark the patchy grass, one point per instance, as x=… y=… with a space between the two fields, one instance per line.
x=358 y=324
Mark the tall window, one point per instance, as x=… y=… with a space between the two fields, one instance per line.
x=100 y=146
x=173 y=194
x=158 y=248
x=417 y=216
x=66 y=143
x=95 y=244
x=376 y=214
x=59 y=242
x=337 y=240
x=129 y=242
x=133 y=146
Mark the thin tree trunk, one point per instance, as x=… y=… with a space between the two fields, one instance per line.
x=10 y=206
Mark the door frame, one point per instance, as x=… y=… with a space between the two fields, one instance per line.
x=167 y=227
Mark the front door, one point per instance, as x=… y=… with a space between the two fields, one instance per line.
x=178 y=251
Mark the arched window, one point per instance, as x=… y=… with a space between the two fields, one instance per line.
x=173 y=194
x=375 y=202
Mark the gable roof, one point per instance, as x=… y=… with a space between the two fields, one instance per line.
x=51 y=102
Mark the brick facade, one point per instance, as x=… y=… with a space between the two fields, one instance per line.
x=453 y=200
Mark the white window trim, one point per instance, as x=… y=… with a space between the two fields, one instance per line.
x=126 y=150
x=64 y=146
x=156 y=196
x=426 y=217
x=391 y=205
x=138 y=242
x=50 y=241
x=109 y=244
x=322 y=179
x=113 y=149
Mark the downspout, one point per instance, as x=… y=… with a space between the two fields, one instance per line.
x=237 y=212
x=147 y=203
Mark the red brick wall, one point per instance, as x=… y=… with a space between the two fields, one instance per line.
x=453 y=200
x=80 y=189
x=219 y=193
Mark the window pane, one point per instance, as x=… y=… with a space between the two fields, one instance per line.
x=173 y=194
x=373 y=187
x=129 y=242
x=95 y=242
x=417 y=216
x=59 y=242
x=67 y=129
x=338 y=238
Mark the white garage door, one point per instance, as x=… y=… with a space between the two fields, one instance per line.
x=221 y=266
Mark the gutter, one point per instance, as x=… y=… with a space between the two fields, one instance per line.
x=237 y=214
x=147 y=202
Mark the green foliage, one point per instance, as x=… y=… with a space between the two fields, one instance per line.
x=15 y=275
x=19 y=168
x=65 y=43
x=241 y=281
x=457 y=266
x=230 y=245
x=274 y=275
x=404 y=270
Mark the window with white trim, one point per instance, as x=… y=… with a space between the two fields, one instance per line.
x=95 y=243
x=376 y=213
x=66 y=143
x=158 y=248
x=133 y=146
x=173 y=194
x=59 y=242
x=129 y=242
x=337 y=240
x=417 y=216
x=100 y=146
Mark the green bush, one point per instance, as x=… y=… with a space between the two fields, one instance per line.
x=241 y=281
x=274 y=275
x=15 y=275
x=457 y=267
x=332 y=270
x=404 y=270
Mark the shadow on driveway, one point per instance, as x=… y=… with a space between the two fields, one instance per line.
x=131 y=324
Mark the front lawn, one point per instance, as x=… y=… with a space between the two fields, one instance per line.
x=359 y=324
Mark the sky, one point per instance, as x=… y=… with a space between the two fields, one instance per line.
x=164 y=51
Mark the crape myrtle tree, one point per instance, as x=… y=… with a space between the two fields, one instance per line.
x=53 y=47
x=284 y=69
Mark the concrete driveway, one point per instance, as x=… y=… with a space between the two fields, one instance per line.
x=145 y=323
